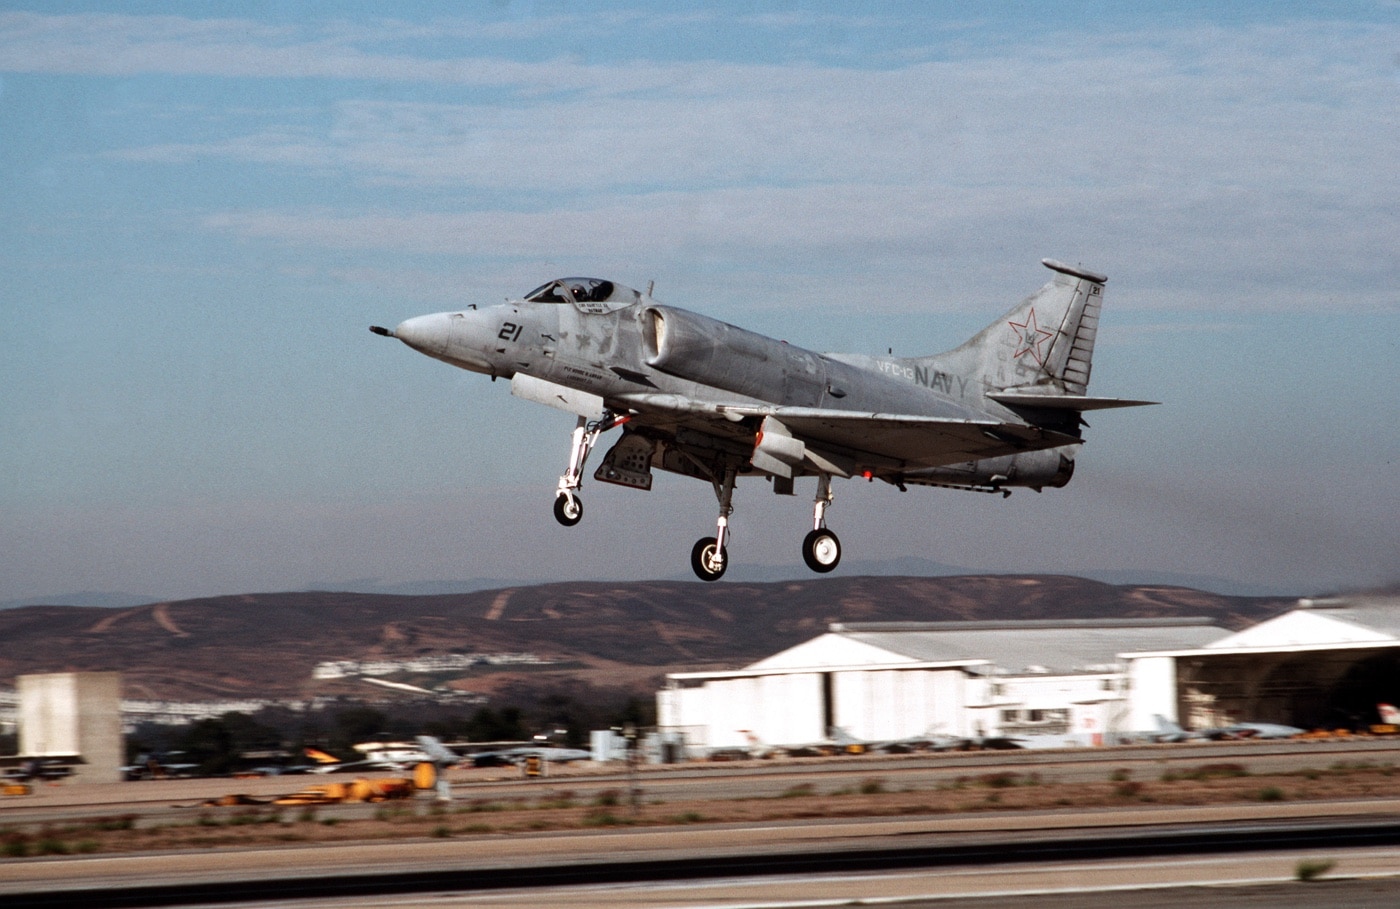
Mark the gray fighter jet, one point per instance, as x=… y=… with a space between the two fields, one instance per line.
x=706 y=399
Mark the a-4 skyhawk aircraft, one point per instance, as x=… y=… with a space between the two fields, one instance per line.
x=702 y=398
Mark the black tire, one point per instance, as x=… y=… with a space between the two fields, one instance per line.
x=568 y=510
x=701 y=556
x=821 y=550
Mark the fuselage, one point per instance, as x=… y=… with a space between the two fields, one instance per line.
x=645 y=348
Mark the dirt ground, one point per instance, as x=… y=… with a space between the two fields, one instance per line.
x=265 y=824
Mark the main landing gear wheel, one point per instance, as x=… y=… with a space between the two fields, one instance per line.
x=821 y=550
x=568 y=510
x=708 y=559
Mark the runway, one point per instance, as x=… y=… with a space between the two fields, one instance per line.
x=1361 y=878
x=792 y=857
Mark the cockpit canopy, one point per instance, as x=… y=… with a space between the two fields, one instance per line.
x=588 y=294
x=571 y=290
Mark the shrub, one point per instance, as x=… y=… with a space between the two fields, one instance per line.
x=52 y=846
x=1312 y=869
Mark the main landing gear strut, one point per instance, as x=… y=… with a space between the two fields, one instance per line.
x=821 y=549
x=710 y=557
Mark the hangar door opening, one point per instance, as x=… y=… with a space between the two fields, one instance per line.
x=1315 y=689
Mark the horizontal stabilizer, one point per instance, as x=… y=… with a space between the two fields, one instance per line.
x=1062 y=402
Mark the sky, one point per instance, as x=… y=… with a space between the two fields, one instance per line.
x=206 y=205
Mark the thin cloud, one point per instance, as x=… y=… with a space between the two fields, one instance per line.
x=1255 y=158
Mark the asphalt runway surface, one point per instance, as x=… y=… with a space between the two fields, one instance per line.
x=1362 y=878
x=858 y=863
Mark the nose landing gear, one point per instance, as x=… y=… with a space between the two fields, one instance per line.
x=568 y=507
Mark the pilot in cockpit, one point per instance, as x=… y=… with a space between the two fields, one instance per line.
x=581 y=290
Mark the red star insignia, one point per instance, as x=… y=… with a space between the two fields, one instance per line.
x=1030 y=337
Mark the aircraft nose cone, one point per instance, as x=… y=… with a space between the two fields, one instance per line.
x=424 y=333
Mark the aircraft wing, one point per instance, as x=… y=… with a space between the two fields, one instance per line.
x=904 y=440
x=917 y=441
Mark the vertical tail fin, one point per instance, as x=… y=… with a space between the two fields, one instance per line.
x=1046 y=342
x=1072 y=350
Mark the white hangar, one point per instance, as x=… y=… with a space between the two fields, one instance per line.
x=897 y=680
x=1323 y=664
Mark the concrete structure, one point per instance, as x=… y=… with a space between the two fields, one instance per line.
x=1325 y=664
x=74 y=713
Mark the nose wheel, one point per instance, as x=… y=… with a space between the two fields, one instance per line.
x=568 y=509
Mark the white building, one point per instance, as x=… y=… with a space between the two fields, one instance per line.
x=896 y=680
x=1325 y=664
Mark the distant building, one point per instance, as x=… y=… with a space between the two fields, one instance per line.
x=1324 y=664
x=73 y=714
x=897 y=680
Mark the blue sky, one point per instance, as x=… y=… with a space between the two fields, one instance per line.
x=205 y=206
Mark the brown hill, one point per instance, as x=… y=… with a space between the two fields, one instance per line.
x=266 y=645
